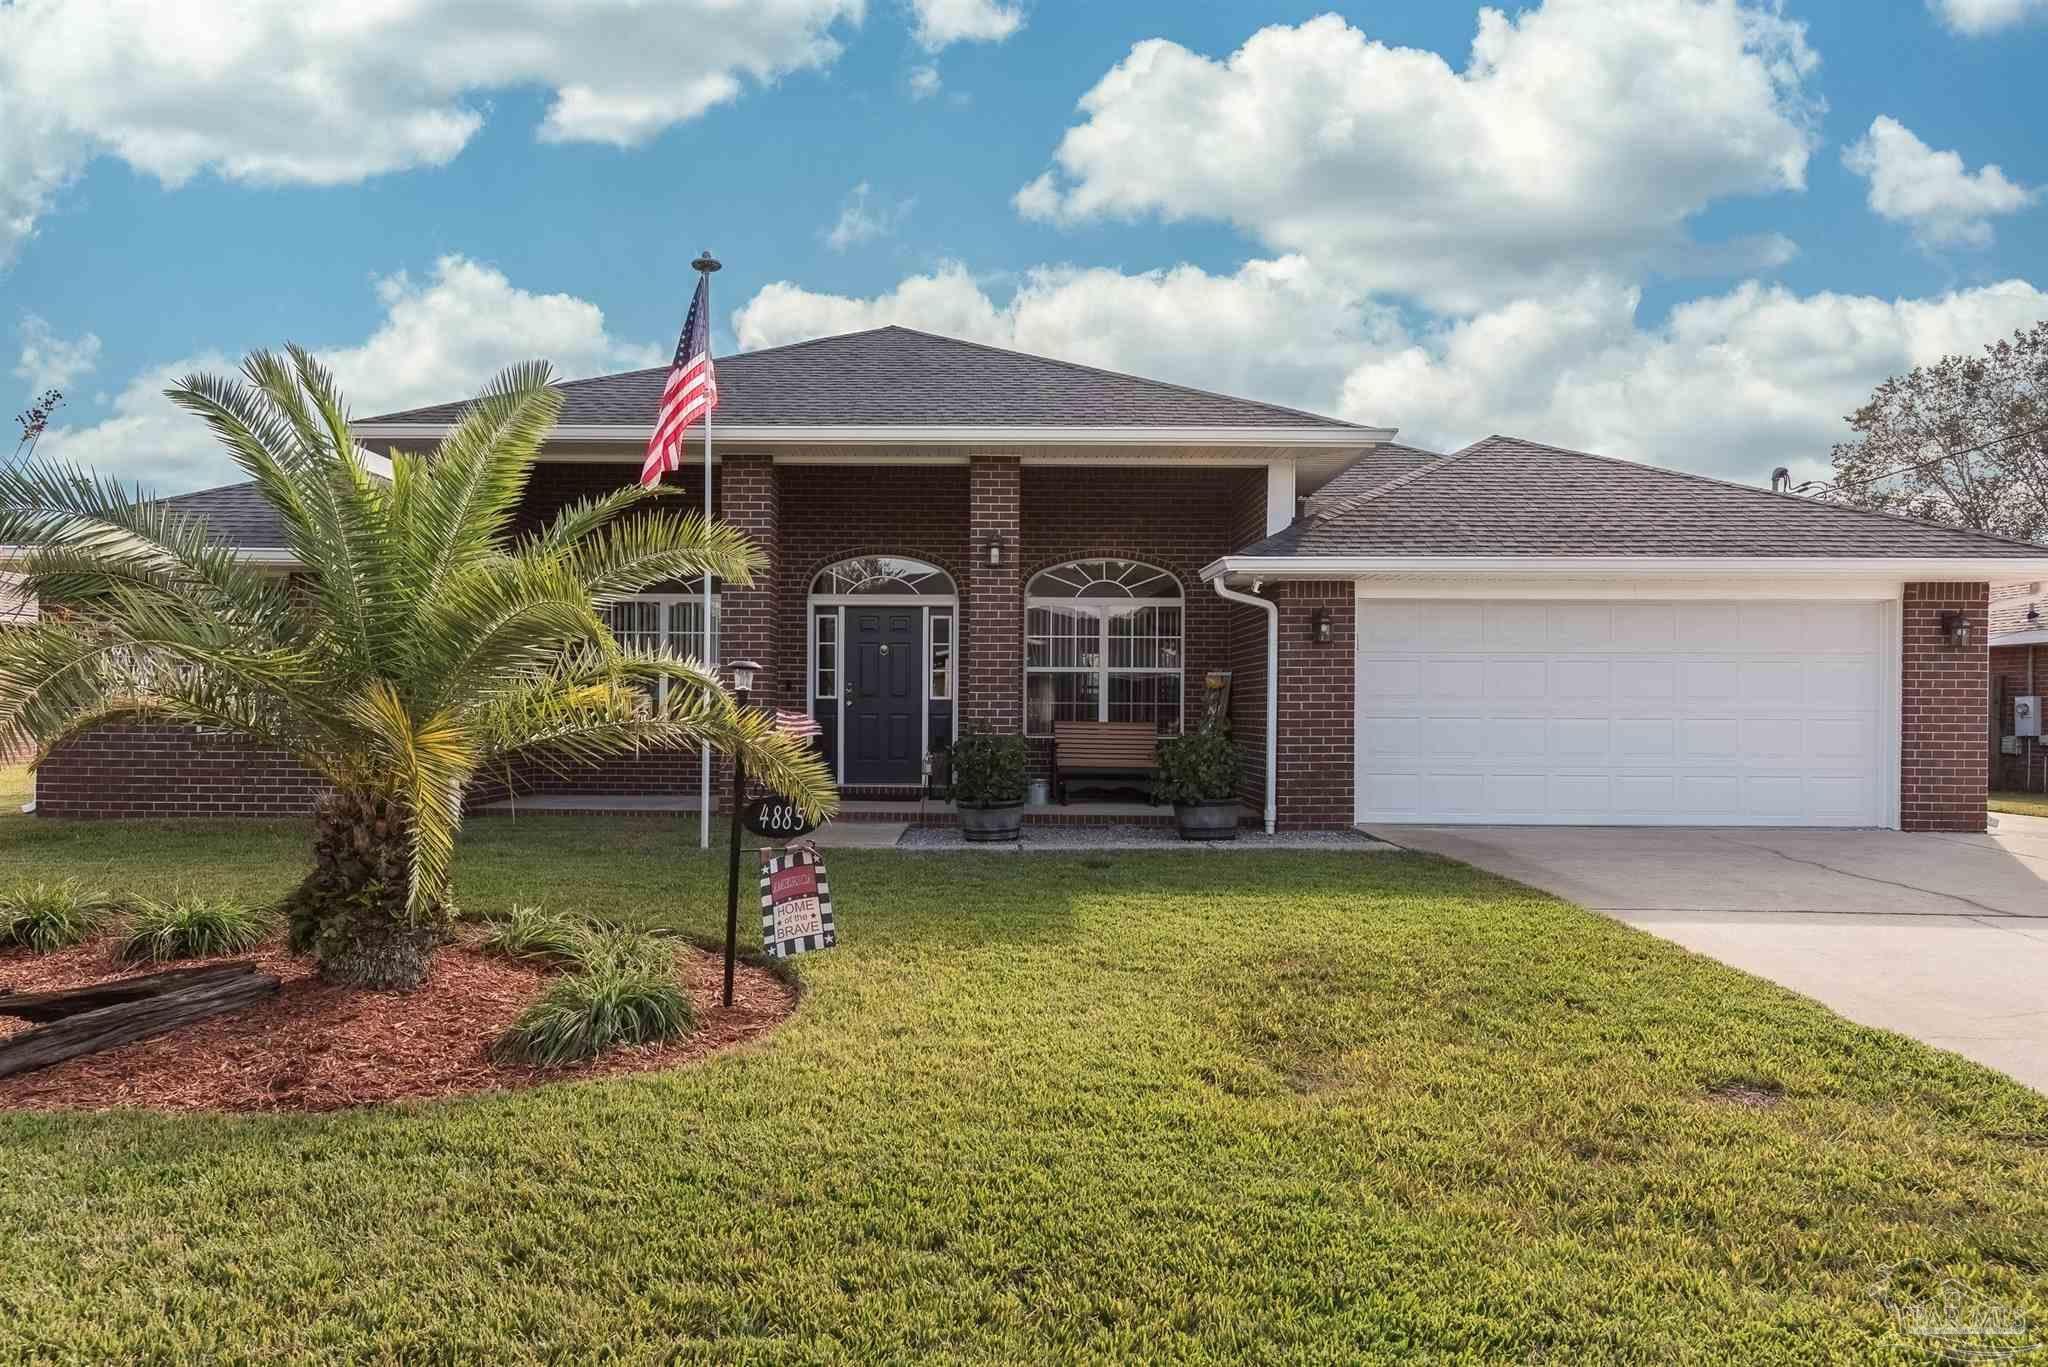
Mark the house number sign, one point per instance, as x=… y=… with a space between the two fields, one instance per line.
x=775 y=817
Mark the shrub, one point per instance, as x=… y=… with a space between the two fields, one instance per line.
x=1197 y=768
x=536 y=933
x=990 y=768
x=600 y=1008
x=570 y=942
x=49 y=916
x=187 y=925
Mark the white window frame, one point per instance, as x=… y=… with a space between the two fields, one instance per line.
x=1103 y=609
x=669 y=602
x=932 y=693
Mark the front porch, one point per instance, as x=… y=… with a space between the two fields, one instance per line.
x=857 y=812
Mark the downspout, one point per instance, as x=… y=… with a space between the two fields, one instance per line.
x=1272 y=611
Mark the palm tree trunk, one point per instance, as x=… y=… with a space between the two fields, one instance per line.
x=350 y=911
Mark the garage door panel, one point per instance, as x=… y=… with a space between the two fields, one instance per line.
x=1622 y=712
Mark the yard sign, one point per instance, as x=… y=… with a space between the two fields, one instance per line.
x=796 y=903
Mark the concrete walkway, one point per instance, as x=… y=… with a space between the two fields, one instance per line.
x=1941 y=937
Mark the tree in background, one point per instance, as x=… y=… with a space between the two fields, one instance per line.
x=1963 y=441
x=420 y=642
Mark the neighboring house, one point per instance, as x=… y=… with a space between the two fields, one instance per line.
x=2019 y=669
x=961 y=538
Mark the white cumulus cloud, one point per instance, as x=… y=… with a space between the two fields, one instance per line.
x=1729 y=384
x=281 y=92
x=1274 y=330
x=49 y=361
x=941 y=23
x=865 y=217
x=1945 y=204
x=1975 y=18
x=1580 y=135
x=439 y=339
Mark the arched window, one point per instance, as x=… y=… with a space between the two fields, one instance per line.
x=1102 y=642
x=882 y=576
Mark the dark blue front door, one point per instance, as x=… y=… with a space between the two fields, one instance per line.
x=884 y=695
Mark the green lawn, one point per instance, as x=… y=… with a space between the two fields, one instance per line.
x=1143 y=1107
x=2020 y=804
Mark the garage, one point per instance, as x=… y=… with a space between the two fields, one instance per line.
x=1627 y=711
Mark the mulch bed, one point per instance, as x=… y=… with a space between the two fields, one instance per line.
x=318 y=1048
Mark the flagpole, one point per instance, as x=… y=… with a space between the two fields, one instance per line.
x=704 y=265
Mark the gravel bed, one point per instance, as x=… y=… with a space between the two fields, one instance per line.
x=1060 y=839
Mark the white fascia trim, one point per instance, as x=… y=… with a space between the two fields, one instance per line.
x=1352 y=566
x=926 y=435
x=2021 y=638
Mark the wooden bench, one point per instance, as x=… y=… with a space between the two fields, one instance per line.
x=1102 y=749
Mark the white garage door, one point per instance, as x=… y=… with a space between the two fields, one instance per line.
x=1624 y=713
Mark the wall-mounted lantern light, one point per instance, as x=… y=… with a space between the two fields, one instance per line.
x=995 y=548
x=1956 y=627
x=1319 y=626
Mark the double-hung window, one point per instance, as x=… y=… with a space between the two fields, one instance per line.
x=652 y=621
x=1102 y=642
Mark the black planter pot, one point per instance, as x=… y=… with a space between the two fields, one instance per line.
x=1214 y=819
x=990 y=822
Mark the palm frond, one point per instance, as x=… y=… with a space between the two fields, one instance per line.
x=630 y=554
x=426 y=763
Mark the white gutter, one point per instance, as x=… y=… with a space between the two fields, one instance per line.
x=930 y=435
x=1971 y=570
x=278 y=557
x=1272 y=611
x=2020 y=638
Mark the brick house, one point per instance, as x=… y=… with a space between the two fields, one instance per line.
x=961 y=538
x=2019 y=669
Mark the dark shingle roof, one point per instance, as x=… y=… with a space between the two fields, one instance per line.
x=1506 y=496
x=1380 y=466
x=235 y=513
x=897 y=376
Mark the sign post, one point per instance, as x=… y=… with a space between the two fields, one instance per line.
x=743 y=672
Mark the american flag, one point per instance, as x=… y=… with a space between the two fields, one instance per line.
x=797 y=725
x=691 y=392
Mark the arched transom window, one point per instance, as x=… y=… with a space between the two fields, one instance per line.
x=879 y=576
x=1102 y=642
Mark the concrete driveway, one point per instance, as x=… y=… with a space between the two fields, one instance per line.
x=1941 y=937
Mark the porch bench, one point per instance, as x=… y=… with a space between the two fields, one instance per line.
x=1103 y=749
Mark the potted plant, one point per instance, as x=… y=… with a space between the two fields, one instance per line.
x=988 y=786
x=1198 y=775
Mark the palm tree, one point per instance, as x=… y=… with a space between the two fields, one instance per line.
x=420 y=643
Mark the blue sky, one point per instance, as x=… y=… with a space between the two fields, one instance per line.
x=1663 y=229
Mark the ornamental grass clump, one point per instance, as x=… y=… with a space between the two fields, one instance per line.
x=607 y=1006
x=536 y=933
x=189 y=925
x=50 y=916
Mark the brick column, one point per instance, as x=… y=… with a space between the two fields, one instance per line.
x=1944 y=755
x=992 y=677
x=1318 y=687
x=747 y=500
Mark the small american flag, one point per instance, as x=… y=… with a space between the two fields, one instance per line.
x=691 y=392
x=797 y=725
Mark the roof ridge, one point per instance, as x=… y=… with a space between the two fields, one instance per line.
x=1718 y=482
x=1357 y=501
x=1093 y=370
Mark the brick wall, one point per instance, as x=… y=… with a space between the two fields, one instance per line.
x=134 y=770
x=992 y=674
x=1945 y=729
x=2028 y=770
x=838 y=512
x=1318 y=685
